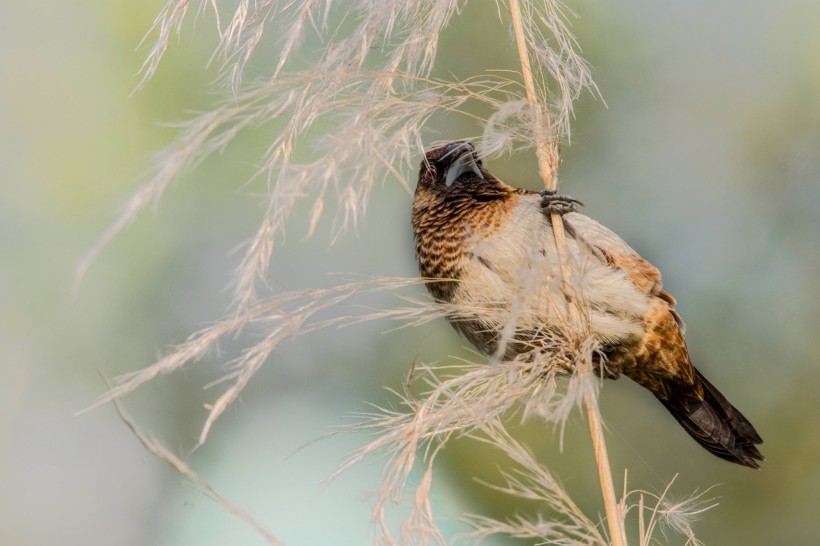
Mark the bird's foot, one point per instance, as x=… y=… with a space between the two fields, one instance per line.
x=559 y=204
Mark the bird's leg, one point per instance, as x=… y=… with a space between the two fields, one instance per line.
x=561 y=204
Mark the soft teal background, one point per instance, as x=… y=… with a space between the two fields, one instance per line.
x=706 y=160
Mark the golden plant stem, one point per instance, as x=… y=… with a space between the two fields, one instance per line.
x=614 y=519
x=545 y=146
x=546 y=149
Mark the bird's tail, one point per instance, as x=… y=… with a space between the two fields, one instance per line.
x=718 y=426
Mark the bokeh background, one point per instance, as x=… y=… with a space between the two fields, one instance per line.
x=705 y=158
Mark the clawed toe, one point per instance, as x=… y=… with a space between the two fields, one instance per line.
x=559 y=204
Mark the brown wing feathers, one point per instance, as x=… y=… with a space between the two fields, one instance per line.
x=662 y=365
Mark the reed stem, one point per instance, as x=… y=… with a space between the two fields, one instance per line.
x=546 y=147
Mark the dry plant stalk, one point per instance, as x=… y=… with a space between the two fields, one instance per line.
x=162 y=453
x=364 y=105
x=547 y=149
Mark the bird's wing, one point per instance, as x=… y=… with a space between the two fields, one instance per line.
x=662 y=356
x=612 y=250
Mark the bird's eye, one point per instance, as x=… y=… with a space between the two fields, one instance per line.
x=430 y=174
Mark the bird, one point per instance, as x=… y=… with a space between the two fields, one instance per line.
x=487 y=251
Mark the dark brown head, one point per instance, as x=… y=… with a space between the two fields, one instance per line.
x=452 y=177
x=453 y=168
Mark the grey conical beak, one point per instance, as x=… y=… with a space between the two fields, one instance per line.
x=464 y=163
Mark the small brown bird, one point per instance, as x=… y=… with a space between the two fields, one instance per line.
x=488 y=249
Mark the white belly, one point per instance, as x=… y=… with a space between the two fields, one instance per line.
x=515 y=280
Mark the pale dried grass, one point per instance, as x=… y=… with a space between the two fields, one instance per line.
x=363 y=108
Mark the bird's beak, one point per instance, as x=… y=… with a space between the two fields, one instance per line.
x=462 y=164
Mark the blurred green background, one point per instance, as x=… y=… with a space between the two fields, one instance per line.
x=705 y=159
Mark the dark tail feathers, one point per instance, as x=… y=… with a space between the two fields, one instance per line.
x=718 y=426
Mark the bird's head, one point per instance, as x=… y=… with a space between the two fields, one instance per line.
x=453 y=176
x=453 y=164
